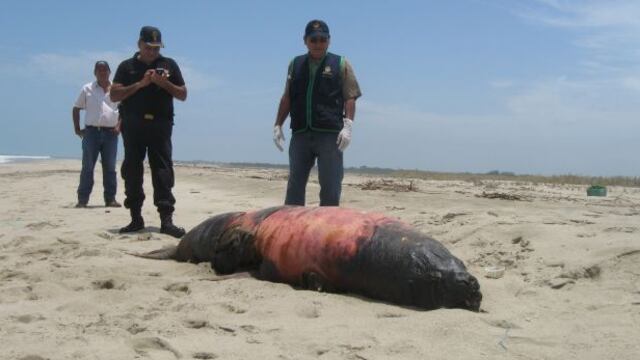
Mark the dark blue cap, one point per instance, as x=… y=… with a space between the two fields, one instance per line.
x=316 y=28
x=151 y=36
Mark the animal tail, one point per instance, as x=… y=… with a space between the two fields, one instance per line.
x=166 y=253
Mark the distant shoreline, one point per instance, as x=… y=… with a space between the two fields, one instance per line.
x=494 y=175
x=6 y=159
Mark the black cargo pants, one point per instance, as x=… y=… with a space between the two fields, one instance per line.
x=142 y=136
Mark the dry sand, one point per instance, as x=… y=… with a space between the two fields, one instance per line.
x=68 y=290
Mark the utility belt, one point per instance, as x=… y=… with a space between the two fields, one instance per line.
x=146 y=117
x=136 y=117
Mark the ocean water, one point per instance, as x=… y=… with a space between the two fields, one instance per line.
x=4 y=159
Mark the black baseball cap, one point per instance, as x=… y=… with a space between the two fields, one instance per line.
x=151 y=36
x=101 y=63
x=316 y=28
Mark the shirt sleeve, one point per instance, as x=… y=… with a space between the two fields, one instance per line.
x=81 y=102
x=120 y=76
x=350 y=87
x=288 y=81
x=176 y=74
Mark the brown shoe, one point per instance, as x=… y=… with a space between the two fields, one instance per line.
x=112 y=203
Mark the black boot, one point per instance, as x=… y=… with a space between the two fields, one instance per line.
x=136 y=224
x=167 y=226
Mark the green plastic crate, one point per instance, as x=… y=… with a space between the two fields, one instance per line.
x=597 y=190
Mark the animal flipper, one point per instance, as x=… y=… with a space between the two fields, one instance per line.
x=166 y=253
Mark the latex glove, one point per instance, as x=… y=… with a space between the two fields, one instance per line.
x=278 y=137
x=344 y=137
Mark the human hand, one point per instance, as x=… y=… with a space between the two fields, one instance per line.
x=159 y=78
x=146 y=79
x=344 y=137
x=116 y=129
x=278 y=137
x=79 y=132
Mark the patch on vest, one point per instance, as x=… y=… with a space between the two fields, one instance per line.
x=327 y=72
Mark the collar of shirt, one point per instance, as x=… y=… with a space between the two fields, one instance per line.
x=149 y=66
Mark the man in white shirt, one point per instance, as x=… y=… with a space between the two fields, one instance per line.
x=99 y=135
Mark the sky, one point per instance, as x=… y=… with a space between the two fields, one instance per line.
x=532 y=87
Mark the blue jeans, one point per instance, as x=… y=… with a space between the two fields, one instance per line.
x=304 y=149
x=104 y=142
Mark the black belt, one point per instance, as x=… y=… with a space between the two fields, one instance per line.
x=100 y=128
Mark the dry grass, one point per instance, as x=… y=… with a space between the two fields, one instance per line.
x=387 y=185
x=535 y=179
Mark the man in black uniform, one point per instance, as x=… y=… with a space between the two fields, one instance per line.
x=146 y=85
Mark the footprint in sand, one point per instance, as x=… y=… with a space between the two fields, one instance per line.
x=204 y=355
x=250 y=329
x=65 y=241
x=42 y=225
x=105 y=235
x=223 y=330
x=134 y=329
x=7 y=274
x=149 y=345
x=586 y=235
x=583 y=272
x=89 y=253
x=559 y=283
x=196 y=323
x=232 y=308
x=26 y=319
x=18 y=294
x=108 y=284
x=178 y=289
x=39 y=252
x=624 y=229
x=18 y=241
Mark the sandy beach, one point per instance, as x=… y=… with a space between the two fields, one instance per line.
x=69 y=290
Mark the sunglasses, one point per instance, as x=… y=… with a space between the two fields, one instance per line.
x=318 y=39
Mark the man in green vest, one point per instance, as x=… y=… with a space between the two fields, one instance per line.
x=320 y=96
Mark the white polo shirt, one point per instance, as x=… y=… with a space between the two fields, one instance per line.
x=99 y=109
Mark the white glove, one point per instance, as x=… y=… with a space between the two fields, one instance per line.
x=344 y=137
x=278 y=137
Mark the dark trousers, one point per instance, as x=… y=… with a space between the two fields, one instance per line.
x=304 y=149
x=153 y=137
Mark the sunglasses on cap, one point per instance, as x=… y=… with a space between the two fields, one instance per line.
x=318 y=39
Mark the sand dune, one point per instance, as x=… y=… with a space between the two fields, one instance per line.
x=68 y=289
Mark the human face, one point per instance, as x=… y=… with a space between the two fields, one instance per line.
x=102 y=73
x=317 y=46
x=148 y=53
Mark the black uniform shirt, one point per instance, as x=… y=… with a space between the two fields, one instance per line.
x=152 y=99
